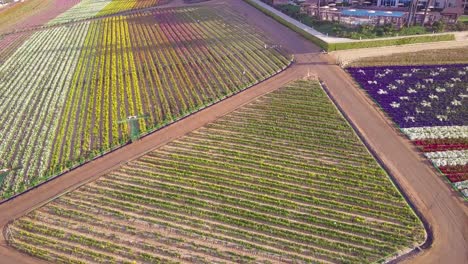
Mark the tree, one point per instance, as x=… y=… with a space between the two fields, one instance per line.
x=438 y=26
x=428 y=3
x=318 y=10
x=412 y=12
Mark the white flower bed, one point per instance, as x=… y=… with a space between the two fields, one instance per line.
x=36 y=80
x=461 y=185
x=448 y=158
x=421 y=133
x=465 y=192
x=85 y=9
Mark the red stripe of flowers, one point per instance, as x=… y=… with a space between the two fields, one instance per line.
x=458 y=177
x=455 y=173
x=441 y=145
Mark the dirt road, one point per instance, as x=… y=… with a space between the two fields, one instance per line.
x=347 y=56
x=445 y=212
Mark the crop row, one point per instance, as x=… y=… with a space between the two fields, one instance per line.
x=77 y=82
x=33 y=97
x=151 y=74
x=257 y=203
x=36 y=15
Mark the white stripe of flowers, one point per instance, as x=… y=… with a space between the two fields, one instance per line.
x=39 y=102
x=43 y=55
x=50 y=113
x=19 y=98
x=448 y=158
x=438 y=132
x=22 y=87
x=39 y=73
x=85 y=9
x=463 y=187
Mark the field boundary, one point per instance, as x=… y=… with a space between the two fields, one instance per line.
x=202 y=107
x=429 y=234
x=372 y=43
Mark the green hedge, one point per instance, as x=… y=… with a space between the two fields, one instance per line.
x=355 y=44
x=389 y=42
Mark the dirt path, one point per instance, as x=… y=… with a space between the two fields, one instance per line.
x=347 y=56
x=445 y=212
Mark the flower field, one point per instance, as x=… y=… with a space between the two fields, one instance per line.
x=35 y=13
x=65 y=89
x=31 y=13
x=430 y=105
x=87 y=9
x=19 y=22
x=283 y=179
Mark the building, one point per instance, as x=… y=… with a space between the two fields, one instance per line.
x=381 y=12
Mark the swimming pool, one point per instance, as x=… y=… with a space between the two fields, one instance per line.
x=371 y=13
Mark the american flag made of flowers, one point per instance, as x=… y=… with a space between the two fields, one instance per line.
x=430 y=106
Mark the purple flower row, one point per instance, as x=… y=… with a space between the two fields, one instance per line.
x=415 y=96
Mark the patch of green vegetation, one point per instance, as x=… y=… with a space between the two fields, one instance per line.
x=389 y=42
x=463 y=18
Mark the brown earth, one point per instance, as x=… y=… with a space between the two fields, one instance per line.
x=346 y=57
x=425 y=57
x=442 y=208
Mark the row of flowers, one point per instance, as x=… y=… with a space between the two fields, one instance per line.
x=36 y=79
x=437 y=132
x=37 y=94
x=77 y=82
x=448 y=158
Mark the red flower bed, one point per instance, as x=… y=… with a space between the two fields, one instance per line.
x=454 y=169
x=457 y=177
x=441 y=145
x=455 y=173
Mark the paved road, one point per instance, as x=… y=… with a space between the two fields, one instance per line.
x=444 y=210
